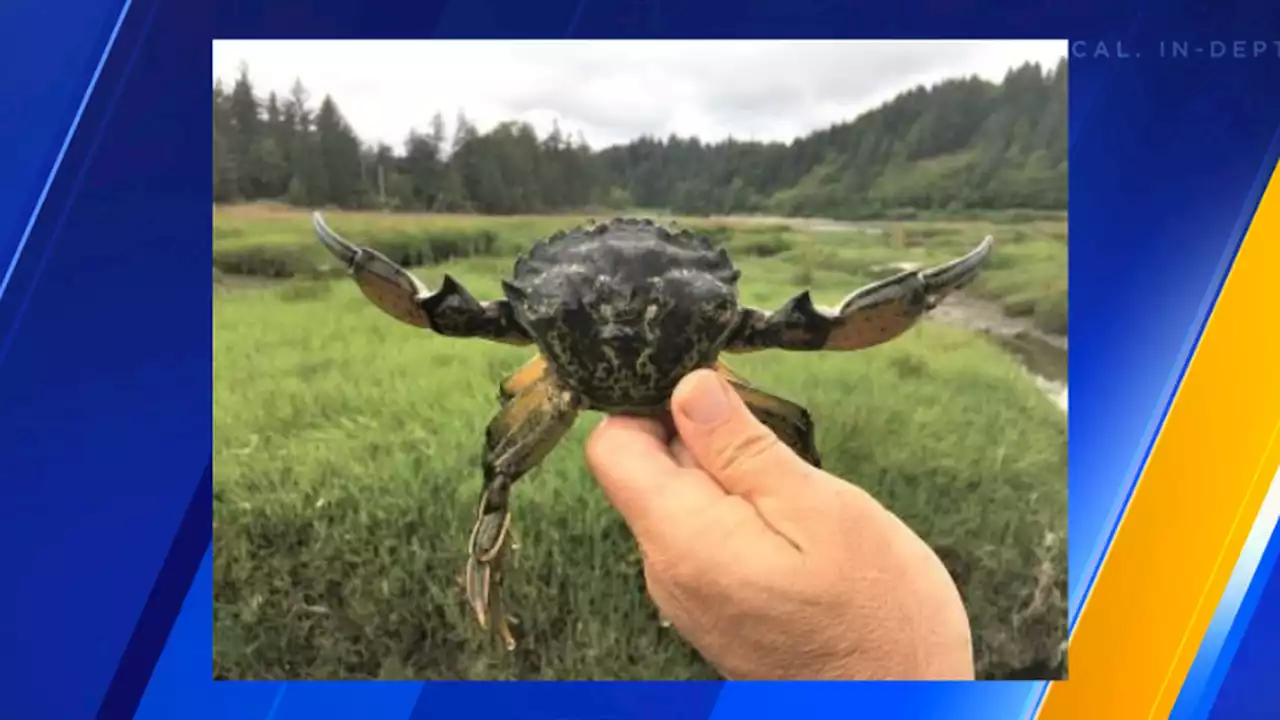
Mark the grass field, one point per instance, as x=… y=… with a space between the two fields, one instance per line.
x=347 y=454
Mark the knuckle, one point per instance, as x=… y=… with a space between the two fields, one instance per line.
x=746 y=451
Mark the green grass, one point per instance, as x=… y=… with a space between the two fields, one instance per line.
x=347 y=452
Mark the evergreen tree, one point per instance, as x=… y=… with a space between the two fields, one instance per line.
x=226 y=182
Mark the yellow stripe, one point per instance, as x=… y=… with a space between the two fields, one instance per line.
x=1194 y=504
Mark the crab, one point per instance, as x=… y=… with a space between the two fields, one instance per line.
x=619 y=313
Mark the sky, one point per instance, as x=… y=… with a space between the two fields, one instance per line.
x=613 y=91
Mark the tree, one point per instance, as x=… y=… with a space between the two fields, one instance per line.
x=247 y=134
x=226 y=182
x=338 y=150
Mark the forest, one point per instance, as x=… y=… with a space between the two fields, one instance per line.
x=959 y=145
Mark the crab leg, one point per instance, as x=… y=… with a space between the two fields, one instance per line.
x=789 y=421
x=517 y=439
x=869 y=316
x=528 y=373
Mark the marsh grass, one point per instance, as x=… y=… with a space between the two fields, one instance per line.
x=347 y=452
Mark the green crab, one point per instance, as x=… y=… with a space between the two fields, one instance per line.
x=620 y=312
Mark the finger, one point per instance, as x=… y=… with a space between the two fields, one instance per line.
x=683 y=457
x=727 y=440
x=632 y=462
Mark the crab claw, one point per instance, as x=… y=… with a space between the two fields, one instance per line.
x=867 y=317
x=450 y=311
x=341 y=249
x=955 y=275
x=392 y=288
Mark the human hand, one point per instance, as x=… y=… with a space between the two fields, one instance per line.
x=772 y=568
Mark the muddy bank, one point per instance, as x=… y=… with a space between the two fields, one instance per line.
x=1043 y=355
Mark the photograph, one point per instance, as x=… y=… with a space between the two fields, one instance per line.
x=640 y=360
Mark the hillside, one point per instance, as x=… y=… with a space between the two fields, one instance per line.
x=959 y=145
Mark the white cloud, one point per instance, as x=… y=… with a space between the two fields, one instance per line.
x=615 y=90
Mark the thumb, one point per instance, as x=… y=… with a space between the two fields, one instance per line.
x=729 y=442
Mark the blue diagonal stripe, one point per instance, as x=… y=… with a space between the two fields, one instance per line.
x=66 y=142
x=1235 y=610
x=163 y=604
x=12 y=330
x=275 y=702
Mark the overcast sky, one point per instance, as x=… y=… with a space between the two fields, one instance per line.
x=614 y=91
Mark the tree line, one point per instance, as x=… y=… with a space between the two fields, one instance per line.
x=961 y=144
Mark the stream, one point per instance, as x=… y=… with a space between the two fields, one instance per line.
x=1043 y=356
